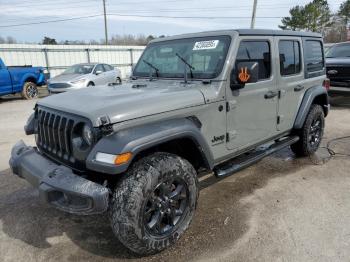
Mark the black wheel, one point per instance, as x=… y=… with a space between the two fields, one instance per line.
x=311 y=134
x=118 y=81
x=30 y=90
x=91 y=84
x=154 y=204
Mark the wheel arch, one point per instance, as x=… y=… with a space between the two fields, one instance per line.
x=178 y=136
x=315 y=95
x=29 y=78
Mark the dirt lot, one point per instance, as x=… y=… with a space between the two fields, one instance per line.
x=281 y=209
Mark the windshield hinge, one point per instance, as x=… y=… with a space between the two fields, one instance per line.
x=104 y=121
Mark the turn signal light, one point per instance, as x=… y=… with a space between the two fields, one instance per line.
x=327 y=84
x=122 y=158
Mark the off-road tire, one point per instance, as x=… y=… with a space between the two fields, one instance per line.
x=30 y=91
x=304 y=147
x=131 y=195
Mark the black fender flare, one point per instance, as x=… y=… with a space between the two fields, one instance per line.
x=139 y=138
x=309 y=97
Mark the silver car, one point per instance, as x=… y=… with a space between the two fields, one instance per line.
x=84 y=75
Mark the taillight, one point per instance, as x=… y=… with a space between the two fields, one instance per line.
x=326 y=84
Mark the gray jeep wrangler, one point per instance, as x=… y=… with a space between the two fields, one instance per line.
x=194 y=103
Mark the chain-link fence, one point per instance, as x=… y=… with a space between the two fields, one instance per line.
x=58 y=57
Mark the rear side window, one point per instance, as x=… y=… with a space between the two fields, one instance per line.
x=289 y=57
x=314 y=56
x=108 y=67
x=256 y=51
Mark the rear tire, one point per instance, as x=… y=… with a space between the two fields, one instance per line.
x=30 y=91
x=311 y=133
x=154 y=204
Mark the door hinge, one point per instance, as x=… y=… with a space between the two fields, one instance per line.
x=279 y=94
x=278 y=120
x=227 y=137
x=227 y=106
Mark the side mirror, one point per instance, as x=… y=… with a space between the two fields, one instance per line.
x=98 y=72
x=245 y=72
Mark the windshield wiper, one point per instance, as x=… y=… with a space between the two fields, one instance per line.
x=186 y=64
x=152 y=67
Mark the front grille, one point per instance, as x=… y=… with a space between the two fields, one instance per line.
x=54 y=135
x=342 y=72
x=59 y=85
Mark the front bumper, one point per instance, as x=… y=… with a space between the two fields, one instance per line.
x=57 y=184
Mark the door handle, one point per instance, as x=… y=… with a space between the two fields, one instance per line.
x=298 y=88
x=270 y=94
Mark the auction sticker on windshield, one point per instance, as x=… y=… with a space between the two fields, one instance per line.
x=203 y=45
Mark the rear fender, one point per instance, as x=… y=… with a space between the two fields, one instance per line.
x=317 y=94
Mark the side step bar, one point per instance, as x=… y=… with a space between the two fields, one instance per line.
x=240 y=163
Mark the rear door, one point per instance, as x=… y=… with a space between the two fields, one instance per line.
x=290 y=80
x=5 y=81
x=252 y=115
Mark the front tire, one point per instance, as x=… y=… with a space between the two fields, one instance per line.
x=311 y=134
x=154 y=204
x=30 y=91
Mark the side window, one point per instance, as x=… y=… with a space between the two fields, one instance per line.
x=256 y=51
x=99 y=67
x=314 y=56
x=289 y=52
x=107 y=67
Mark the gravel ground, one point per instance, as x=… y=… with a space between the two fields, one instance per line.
x=281 y=209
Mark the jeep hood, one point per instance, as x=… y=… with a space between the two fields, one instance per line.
x=125 y=102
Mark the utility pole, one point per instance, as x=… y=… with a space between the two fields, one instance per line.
x=105 y=16
x=252 y=24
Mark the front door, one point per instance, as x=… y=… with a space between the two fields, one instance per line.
x=100 y=79
x=252 y=114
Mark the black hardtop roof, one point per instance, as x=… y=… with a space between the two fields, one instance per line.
x=247 y=32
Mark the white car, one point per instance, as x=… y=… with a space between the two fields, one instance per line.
x=84 y=75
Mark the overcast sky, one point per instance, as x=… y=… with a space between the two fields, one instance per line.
x=135 y=17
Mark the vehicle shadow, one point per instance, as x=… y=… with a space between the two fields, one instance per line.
x=340 y=101
x=43 y=92
x=220 y=215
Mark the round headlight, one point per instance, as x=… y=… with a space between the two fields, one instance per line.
x=88 y=135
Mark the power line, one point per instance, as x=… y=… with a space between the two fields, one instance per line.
x=52 y=21
x=142 y=16
x=193 y=17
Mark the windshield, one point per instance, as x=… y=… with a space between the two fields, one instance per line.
x=205 y=54
x=79 y=69
x=342 y=50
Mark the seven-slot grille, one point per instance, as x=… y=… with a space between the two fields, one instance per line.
x=54 y=134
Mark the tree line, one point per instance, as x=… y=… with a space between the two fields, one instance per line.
x=316 y=16
x=127 y=39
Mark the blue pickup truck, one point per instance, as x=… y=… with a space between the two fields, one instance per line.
x=24 y=80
